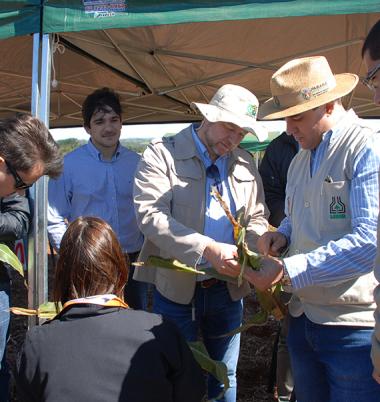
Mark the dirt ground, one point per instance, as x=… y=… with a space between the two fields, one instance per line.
x=254 y=361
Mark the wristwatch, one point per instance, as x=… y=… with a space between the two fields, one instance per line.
x=285 y=280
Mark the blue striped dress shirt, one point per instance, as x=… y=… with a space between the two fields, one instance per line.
x=354 y=253
x=92 y=186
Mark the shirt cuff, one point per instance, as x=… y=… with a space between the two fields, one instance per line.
x=296 y=267
x=285 y=229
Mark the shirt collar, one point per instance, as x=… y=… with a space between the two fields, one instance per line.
x=335 y=132
x=98 y=155
x=346 y=119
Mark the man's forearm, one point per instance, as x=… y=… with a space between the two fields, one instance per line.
x=55 y=234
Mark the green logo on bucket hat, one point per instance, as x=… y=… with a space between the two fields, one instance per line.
x=252 y=110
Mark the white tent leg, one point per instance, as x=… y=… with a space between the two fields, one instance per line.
x=37 y=247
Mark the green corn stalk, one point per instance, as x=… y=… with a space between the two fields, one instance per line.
x=269 y=300
x=167 y=263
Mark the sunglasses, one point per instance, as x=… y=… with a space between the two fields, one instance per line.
x=19 y=183
x=212 y=172
x=368 y=81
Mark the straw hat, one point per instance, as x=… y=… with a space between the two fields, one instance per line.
x=234 y=104
x=303 y=84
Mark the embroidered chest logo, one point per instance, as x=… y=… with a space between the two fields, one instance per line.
x=337 y=208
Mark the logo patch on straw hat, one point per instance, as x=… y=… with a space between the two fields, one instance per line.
x=306 y=93
x=252 y=110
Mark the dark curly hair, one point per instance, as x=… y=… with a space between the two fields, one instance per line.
x=100 y=100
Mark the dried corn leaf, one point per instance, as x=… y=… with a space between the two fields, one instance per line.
x=45 y=310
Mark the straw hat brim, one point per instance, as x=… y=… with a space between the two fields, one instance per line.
x=345 y=83
x=216 y=114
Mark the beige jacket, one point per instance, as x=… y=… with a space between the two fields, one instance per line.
x=170 y=207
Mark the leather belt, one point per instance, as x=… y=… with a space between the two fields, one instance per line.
x=207 y=283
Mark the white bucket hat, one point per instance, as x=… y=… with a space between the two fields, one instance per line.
x=234 y=104
x=304 y=84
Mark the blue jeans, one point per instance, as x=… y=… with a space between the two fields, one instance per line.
x=214 y=314
x=5 y=291
x=331 y=363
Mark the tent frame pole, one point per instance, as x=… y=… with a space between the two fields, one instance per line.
x=37 y=242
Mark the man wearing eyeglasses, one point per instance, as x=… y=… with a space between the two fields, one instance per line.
x=27 y=151
x=371 y=55
x=181 y=218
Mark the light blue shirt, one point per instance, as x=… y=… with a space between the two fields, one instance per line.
x=338 y=259
x=217 y=225
x=91 y=186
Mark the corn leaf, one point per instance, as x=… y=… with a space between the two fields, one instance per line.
x=23 y=311
x=9 y=257
x=166 y=263
x=45 y=310
x=258 y=319
x=254 y=259
x=215 y=368
x=241 y=236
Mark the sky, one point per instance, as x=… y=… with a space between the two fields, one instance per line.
x=158 y=130
x=144 y=130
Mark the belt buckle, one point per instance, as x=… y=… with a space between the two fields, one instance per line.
x=208 y=283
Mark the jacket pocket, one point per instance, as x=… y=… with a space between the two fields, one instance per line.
x=187 y=184
x=289 y=200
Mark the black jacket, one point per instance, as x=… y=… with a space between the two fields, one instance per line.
x=273 y=170
x=14 y=222
x=106 y=354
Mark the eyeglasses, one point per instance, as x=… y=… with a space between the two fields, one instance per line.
x=368 y=81
x=212 y=172
x=19 y=183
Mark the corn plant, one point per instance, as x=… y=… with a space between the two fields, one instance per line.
x=10 y=258
x=269 y=300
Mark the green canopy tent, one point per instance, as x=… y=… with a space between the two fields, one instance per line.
x=160 y=56
x=252 y=144
x=163 y=55
x=21 y=17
